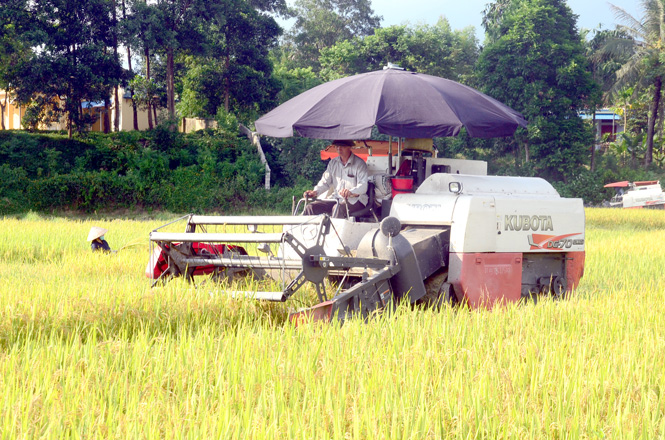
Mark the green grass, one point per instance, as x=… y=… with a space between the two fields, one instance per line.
x=89 y=350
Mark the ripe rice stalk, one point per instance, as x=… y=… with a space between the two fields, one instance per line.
x=89 y=349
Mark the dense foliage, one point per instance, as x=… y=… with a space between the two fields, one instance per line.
x=436 y=50
x=323 y=23
x=58 y=53
x=534 y=61
x=645 y=66
x=209 y=171
x=69 y=62
x=224 y=57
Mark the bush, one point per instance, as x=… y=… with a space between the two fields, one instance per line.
x=207 y=170
x=295 y=161
x=40 y=154
x=588 y=185
x=88 y=192
x=277 y=200
x=13 y=182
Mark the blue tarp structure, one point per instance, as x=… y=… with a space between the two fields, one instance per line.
x=92 y=104
x=601 y=115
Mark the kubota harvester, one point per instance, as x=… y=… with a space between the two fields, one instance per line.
x=456 y=236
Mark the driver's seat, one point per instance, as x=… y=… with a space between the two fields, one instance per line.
x=368 y=212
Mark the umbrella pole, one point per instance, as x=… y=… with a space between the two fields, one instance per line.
x=399 y=152
x=390 y=155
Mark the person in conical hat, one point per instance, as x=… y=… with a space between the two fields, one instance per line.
x=96 y=237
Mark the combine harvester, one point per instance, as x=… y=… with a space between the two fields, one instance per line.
x=444 y=233
x=636 y=195
x=459 y=238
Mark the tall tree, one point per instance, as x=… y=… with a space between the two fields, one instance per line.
x=534 y=61
x=234 y=27
x=646 y=65
x=75 y=60
x=294 y=81
x=435 y=50
x=116 y=99
x=605 y=62
x=13 y=51
x=142 y=30
x=179 y=31
x=240 y=38
x=603 y=68
x=322 y=23
x=125 y=38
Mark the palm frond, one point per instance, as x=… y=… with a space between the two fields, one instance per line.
x=631 y=72
x=631 y=25
x=654 y=19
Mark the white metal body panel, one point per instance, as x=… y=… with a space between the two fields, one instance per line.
x=253 y=220
x=457 y=166
x=555 y=225
x=205 y=237
x=474 y=225
x=496 y=213
x=423 y=209
x=489 y=185
x=379 y=164
x=342 y=233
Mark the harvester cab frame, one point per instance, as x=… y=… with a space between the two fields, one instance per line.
x=452 y=235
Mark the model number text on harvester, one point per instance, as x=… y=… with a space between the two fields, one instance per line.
x=528 y=223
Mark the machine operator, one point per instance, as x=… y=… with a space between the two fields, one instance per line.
x=347 y=176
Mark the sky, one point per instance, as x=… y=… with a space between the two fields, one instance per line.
x=463 y=13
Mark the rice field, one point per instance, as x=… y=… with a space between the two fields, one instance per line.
x=89 y=350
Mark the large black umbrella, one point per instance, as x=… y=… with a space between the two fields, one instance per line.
x=398 y=102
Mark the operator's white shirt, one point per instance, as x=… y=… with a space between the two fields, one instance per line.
x=352 y=176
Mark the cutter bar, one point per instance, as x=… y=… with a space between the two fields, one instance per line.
x=201 y=237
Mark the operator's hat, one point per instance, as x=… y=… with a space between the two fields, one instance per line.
x=96 y=232
x=343 y=143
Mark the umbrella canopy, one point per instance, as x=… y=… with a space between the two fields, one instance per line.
x=397 y=102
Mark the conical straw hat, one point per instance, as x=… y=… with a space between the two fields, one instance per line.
x=96 y=232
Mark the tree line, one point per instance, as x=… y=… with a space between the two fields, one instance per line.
x=206 y=58
x=57 y=53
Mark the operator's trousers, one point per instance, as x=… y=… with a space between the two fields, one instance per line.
x=331 y=207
